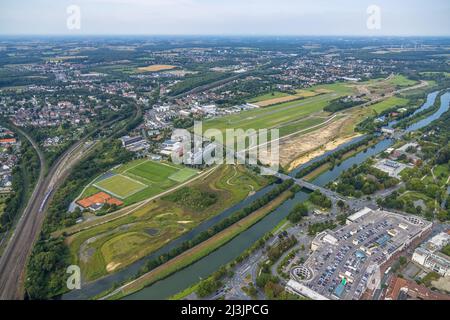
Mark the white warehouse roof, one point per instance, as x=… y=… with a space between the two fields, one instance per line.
x=359 y=214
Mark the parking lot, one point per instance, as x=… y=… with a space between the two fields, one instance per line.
x=346 y=261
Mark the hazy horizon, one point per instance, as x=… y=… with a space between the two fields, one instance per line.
x=226 y=18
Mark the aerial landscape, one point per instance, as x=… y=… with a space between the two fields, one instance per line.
x=120 y=178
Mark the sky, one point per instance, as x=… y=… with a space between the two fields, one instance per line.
x=226 y=17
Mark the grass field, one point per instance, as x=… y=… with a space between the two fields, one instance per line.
x=277 y=115
x=108 y=247
x=277 y=98
x=120 y=186
x=306 y=93
x=394 y=82
x=415 y=196
x=301 y=125
x=268 y=96
x=152 y=171
x=389 y=103
x=141 y=179
x=402 y=81
x=183 y=175
x=442 y=174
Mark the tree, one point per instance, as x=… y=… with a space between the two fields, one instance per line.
x=299 y=211
x=207 y=287
x=341 y=204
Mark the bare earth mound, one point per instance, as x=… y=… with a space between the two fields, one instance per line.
x=299 y=149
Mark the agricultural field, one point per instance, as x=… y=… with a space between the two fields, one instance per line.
x=156 y=68
x=105 y=248
x=115 y=69
x=140 y=179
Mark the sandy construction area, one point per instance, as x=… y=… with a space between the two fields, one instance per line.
x=299 y=149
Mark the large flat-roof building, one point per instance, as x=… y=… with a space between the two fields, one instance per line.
x=428 y=255
x=392 y=168
x=345 y=262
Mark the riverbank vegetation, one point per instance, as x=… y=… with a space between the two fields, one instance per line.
x=362 y=180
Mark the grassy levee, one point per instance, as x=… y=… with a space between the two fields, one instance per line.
x=203 y=249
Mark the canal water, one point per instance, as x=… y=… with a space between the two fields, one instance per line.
x=230 y=251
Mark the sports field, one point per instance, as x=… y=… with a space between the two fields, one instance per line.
x=183 y=175
x=120 y=186
x=153 y=171
x=140 y=179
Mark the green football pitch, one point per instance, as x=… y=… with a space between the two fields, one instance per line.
x=120 y=186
